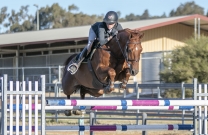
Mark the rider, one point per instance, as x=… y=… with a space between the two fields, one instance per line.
x=101 y=31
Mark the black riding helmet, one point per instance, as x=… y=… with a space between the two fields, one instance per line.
x=111 y=17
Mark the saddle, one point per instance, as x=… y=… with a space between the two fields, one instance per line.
x=95 y=46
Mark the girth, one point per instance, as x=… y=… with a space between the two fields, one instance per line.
x=96 y=82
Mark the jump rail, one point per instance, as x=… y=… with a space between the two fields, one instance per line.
x=199 y=122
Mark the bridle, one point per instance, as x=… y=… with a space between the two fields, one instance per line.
x=125 y=54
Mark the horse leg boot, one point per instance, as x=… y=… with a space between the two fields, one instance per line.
x=75 y=66
x=126 y=75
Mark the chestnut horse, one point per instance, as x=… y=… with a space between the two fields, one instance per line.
x=115 y=61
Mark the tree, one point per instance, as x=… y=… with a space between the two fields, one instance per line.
x=20 y=21
x=172 y=13
x=3 y=14
x=188 y=8
x=132 y=17
x=57 y=15
x=73 y=7
x=145 y=15
x=187 y=62
x=163 y=15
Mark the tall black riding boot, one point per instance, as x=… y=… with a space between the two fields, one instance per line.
x=75 y=66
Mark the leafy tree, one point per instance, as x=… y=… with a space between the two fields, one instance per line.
x=53 y=16
x=145 y=15
x=163 y=15
x=172 y=13
x=187 y=9
x=187 y=62
x=45 y=18
x=57 y=17
x=132 y=17
x=20 y=21
x=3 y=14
x=73 y=7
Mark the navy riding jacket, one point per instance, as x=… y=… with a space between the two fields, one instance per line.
x=103 y=33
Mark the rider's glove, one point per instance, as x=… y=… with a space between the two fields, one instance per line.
x=114 y=32
x=109 y=38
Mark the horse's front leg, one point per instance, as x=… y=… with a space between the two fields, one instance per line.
x=112 y=74
x=107 y=73
x=124 y=78
x=76 y=112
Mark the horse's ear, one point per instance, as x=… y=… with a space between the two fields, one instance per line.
x=141 y=36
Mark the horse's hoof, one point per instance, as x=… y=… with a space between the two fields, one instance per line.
x=68 y=112
x=77 y=112
x=107 y=91
x=111 y=89
x=122 y=86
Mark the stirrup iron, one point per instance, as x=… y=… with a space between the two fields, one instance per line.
x=74 y=67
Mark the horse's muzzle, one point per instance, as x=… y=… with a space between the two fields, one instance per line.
x=134 y=72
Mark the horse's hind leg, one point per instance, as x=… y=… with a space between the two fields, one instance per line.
x=76 y=112
x=82 y=95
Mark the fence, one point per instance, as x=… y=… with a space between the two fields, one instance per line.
x=55 y=104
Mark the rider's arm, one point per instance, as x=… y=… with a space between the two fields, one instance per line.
x=103 y=40
x=119 y=27
x=116 y=29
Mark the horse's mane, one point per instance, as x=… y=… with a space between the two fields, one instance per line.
x=130 y=30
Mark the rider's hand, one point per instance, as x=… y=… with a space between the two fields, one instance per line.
x=109 y=38
x=115 y=33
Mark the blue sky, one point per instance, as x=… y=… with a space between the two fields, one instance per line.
x=98 y=7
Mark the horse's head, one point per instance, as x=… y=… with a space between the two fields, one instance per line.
x=133 y=51
x=129 y=42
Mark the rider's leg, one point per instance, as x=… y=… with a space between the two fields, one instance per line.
x=82 y=55
x=91 y=38
x=74 y=66
x=87 y=49
x=85 y=52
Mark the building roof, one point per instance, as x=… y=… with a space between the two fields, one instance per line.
x=81 y=32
